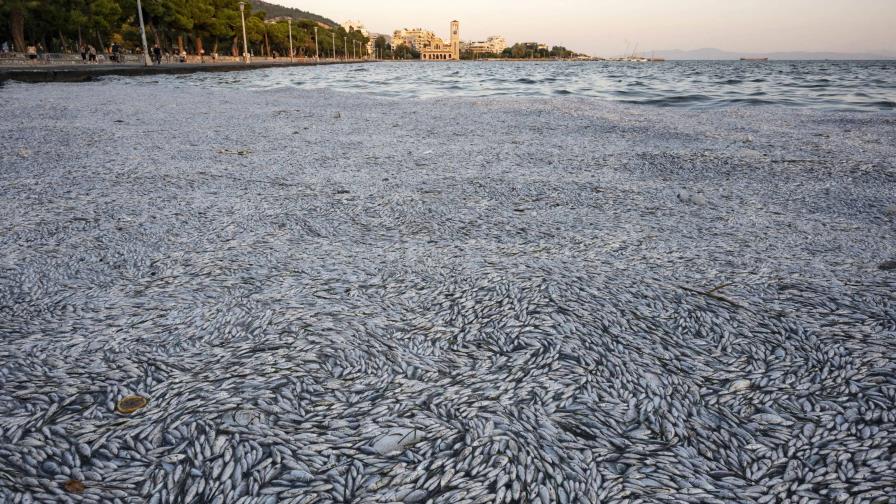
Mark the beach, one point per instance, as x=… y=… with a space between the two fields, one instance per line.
x=337 y=297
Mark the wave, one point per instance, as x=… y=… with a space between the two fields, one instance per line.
x=672 y=101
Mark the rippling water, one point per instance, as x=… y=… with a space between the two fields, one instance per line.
x=820 y=84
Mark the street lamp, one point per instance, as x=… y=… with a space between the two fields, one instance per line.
x=290 y=40
x=316 y=47
x=245 y=40
x=142 y=35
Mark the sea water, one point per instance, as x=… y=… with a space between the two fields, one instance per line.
x=849 y=85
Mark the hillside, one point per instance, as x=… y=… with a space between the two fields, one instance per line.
x=274 y=10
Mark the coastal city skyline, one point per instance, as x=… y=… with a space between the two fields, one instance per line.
x=614 y=28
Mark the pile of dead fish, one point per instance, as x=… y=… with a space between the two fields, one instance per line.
x=218 y=333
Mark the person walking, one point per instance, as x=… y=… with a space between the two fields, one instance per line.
x=91 y=53
x=5 y=47
x=157 y=54
x=83 y=53
x=32 y=53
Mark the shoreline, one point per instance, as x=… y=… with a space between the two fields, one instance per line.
x=86 y=72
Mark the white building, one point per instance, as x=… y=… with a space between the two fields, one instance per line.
x=493 y=45
x=415 y=38
x=496 y=43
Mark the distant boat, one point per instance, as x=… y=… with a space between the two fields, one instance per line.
x=754 y=59
x=636 y=58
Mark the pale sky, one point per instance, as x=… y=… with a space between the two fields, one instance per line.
x=608 y=27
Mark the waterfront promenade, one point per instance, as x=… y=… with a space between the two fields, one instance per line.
x=73 y=71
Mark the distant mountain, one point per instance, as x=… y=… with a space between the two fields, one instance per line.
x=274 y=10
x=718 y=54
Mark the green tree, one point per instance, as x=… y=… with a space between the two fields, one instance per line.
x=225 y=23
x=380 y=44
x=404 y=51
x=16 y=11
x=65 y=24
x=201 y=13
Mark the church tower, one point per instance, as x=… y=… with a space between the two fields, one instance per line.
x=455 y=40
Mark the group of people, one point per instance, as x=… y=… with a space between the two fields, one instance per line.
x=116 y=53
x=36 y=53
x=88 y=53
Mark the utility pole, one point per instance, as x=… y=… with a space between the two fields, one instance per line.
x=245 y=40
x=142 y=35
x=333 y=33
x=316 y=47
x=344 y=48
x=290 y=40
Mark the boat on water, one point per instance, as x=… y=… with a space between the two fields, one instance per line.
x=754 y=59
x=634 y=57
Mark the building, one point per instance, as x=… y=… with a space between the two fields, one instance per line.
x=493 y=45
x=535 y=46
x=438 y=50
x=417 y=39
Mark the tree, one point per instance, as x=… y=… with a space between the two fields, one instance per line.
x=63 y=24
x=103 y=17
x=16 y=11
x=254 y=32
x=561 y=52
x=225 y=23
x=202 y=13
x=404 y=51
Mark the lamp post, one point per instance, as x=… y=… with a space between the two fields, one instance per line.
x=316 y=47
x=245 y=40
x=290 y=40
x=334 y=45
x=142 y=35
x=344 y=48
